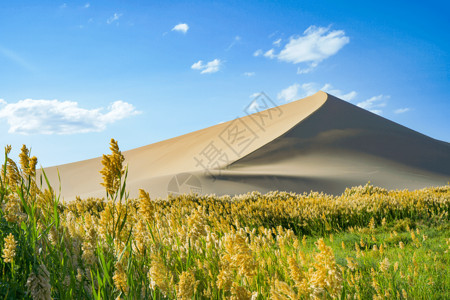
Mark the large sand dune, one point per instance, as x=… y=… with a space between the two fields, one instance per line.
x=318 y=143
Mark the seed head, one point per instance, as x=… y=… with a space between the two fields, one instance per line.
x=38 y=284
x=112 y=169
x=187 y=285
x=120 y=278
x=9 y=250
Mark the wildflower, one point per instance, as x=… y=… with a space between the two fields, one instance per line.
x=401 y=245
x=187 y=285
x=9 y=250
x=38 y=284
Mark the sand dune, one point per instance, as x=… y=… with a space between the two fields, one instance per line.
x=317 y=143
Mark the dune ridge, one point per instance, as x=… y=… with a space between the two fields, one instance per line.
x=316 y=143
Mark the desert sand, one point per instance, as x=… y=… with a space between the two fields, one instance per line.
x=318 y=143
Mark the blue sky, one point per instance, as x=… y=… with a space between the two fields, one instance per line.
x=75 y=74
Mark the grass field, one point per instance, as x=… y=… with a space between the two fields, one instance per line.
x=368 y=243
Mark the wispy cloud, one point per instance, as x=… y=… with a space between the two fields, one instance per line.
x=249 y=74
x=64 y=5
x=310 y=88
x=328 y=88
x=402 y=110
x=16 y=58
x=315 y=45
x=60 y=117
x=182 y=27
x=87 y=5
x=113 y=18
x=270 y=54
x=290 y=93
x=296 y=91
x=210 y=67
x=258 y=52
x=374 y=104
x=306 y=70
x=234 y=42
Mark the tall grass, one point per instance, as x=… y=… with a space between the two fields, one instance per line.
x=366 y=243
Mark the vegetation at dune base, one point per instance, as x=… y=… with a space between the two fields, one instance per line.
x=368 y=243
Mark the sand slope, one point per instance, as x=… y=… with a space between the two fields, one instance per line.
x=317 y=143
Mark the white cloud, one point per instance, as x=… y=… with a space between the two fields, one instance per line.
x=61 y=117
x=306 y=70
x=253 y=107
x=272 y=34
x=270 y=54
x=277 y=43
x=182 y=27
x=16 y=58
x=198 y=65
x=290 y=93
x=374 y=104
x=234 y=42
x=87 y=5
x=328 y=88
x=397 y=111
x=64 y=5
x=249 y=74
x=254 y=95
x=258 y=52
x=210 y=67
x=316 y=44
x=311 y=88
x=113 y=18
